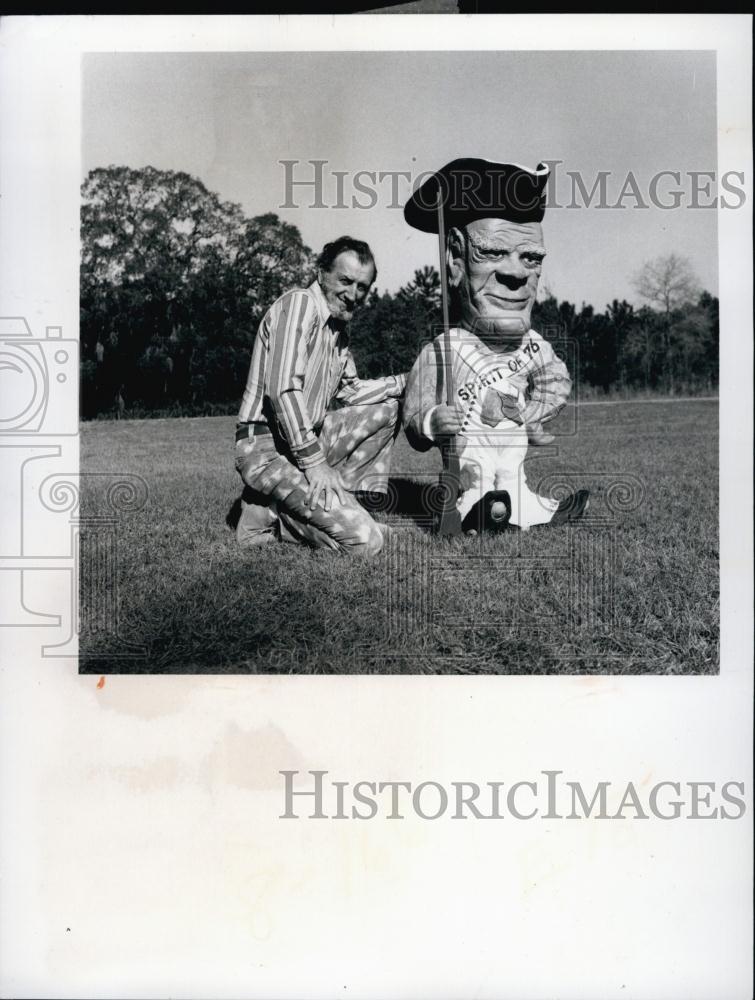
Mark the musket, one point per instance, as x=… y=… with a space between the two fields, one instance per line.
x=448 y=520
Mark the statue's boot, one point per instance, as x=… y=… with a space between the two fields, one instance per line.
x=490 y=514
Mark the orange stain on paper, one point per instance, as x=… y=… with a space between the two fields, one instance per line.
x=101 y=682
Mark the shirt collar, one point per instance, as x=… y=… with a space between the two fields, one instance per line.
x=326 y=316
x=322 y=305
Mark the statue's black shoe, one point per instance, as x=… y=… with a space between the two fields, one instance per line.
x=570 y=509
x=491 y=513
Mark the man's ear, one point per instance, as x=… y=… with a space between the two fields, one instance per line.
x=455 y=253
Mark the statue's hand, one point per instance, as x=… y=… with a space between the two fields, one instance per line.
x=499 y=405
x=538 y=437
x=445 y=421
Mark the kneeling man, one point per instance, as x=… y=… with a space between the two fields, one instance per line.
x=307 y=464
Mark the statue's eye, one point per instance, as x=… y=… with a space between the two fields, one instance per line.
x=532 y=259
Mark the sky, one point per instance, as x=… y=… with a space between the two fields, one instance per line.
x=229 y=119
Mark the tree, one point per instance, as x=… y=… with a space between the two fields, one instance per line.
x=694 y=342
x=148 y=223
x=667 y=283
x=424 y=288
x=388 y=333
x=174 y=282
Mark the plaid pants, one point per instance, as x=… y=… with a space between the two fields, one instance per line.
x=357 y=441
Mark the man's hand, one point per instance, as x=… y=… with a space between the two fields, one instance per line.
x=326 y=481
x=445 y=421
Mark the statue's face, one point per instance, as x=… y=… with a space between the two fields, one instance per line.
x=346 y=284
x=496 y=265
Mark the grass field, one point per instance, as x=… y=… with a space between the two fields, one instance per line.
x=633 y=589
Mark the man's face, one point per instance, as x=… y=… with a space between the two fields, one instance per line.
x=346 y=284
x=499 y=268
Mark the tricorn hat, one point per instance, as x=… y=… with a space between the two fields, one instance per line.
x=471 y=188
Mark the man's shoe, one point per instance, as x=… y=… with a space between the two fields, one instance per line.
x=258 y=524
x=491 y=513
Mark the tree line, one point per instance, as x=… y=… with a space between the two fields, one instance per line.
x=174 y=283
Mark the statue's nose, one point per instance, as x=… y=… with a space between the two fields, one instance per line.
x=511 y=270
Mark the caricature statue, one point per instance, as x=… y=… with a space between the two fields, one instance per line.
x=483 y=388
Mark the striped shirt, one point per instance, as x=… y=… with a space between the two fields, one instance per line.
x=301 y=363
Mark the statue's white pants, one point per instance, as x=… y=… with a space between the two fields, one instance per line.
x=494 y=460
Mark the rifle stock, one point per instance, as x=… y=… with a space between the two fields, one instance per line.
x=448 y=521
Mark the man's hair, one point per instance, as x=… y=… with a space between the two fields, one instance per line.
x=331 y=250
